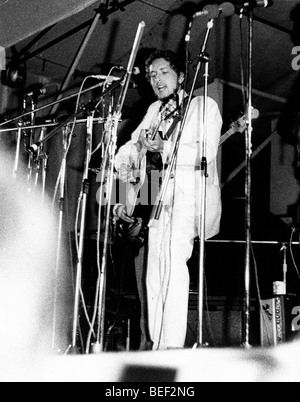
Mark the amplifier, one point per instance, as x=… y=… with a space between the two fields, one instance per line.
x=272 y=321
x=223 y=321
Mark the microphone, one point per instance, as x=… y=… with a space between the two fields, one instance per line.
x=255 y=114
x=34 y=147
x=111 y=78
x=213 y=11
x=258 y=3
x=135 y=70
x=35 y=92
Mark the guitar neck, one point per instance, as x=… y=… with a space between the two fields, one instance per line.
x=225 y=136
x=143 y=151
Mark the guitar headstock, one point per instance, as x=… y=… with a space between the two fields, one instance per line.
x=168 y=110
x=241 y=123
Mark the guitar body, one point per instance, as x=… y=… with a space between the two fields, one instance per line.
x=133 y=233
x=133 y=188
x=139 y=172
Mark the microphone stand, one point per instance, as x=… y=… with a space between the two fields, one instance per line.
x=17 y=154
x=23 y=127
x=20 y=117
x=66 y=141
x=38 y=159
x=72 y=349
x=42 y=141
x=248 y=179
x=202 y=165
x=99 y=344
x=61 y=201
x=45 y=157
x=202 y=197
x=84 y=195
x=30 y=140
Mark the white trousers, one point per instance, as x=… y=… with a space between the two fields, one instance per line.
x=168 y=278
x=171 y=245
x=140 y=274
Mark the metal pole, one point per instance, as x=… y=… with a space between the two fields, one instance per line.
x=248 y=183
x=202 y=197
x=84 y=191
x=99 y=344
x=17 y=156
x=66 y=139
x=77 y=59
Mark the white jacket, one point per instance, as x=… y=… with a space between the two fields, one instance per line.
x=187 y=174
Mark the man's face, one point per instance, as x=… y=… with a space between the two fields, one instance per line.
x=163 y=79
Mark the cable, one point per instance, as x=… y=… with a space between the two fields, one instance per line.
x=291 y=251
x=70 y=140
x=107 y=127
x=96 y=299
x=103 y=178
x=153 y=6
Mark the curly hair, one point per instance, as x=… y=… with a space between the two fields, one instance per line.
x=175 y=61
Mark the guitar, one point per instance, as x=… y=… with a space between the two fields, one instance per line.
x=238 y=126
x=139 y=168
x=136 y=230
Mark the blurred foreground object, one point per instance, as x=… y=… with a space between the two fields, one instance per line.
x=27 y=275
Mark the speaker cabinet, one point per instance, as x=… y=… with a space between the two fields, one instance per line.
x=223 y=322
x=280 y=319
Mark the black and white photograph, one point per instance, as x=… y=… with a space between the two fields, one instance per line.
x=149 y=193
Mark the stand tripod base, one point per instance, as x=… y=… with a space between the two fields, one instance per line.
x=198 y=345
x=72 y=350
x=96 y=348
x=246 y=345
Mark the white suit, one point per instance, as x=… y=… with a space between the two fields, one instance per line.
x=171 y=241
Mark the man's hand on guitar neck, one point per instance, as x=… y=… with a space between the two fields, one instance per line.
x=155 y=145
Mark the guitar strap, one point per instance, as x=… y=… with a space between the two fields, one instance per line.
x=177 y=118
